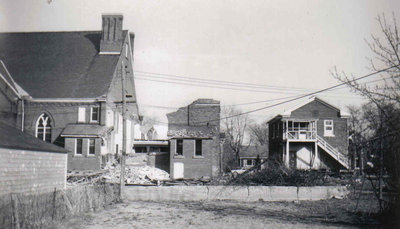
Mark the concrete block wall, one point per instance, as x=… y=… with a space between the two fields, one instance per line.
x=23 y=171
x=159 y=160
x=239 y=193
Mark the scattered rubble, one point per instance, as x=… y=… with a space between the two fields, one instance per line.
x=112 y=171
x=78 y=177
x=135 y=175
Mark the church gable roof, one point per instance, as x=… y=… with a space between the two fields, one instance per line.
x=58 y=64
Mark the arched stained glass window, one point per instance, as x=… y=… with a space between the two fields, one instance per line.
x=43 y=128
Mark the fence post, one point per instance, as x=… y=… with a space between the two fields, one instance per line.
x=67 y=202
x=15 y=217
x=54 y=204
x=89 y=199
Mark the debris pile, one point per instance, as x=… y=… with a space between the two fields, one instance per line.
x=134 y=174
x=112 y=171
x=82 y=177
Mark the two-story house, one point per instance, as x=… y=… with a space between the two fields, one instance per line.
x=66 y=88
x=312 y=135
x=193 y=131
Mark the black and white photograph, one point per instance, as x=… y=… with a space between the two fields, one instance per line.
x=199 y=114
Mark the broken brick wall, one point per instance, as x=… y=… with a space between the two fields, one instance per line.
x=199 y=120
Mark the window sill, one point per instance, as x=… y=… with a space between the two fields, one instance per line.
x=78 y=155
x=329 y=135
x=198 y=157
x=179 y=156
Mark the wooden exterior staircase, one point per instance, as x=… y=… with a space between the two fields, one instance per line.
x=333 y=152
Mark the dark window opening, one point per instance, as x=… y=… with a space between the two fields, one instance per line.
x=179 y=146
x=79 y=144
x=92 y=147
x=141 y=149
x=154 y=149
x=95 y=114
x=199 y=150
x=164 y=149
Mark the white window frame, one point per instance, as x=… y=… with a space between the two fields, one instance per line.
x=81 y=114
x=75 y=147
x=45 y=126
x=88 y=147
x=98 y=114
x=328 y=133
x=126 y=50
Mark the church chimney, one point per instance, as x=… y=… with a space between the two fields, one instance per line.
x=111 y=37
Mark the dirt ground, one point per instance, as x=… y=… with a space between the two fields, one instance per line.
x=332 y=213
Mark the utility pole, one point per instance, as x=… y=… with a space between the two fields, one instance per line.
x=381 y=171
x=122 y=176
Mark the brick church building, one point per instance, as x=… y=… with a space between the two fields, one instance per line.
x=66 y=88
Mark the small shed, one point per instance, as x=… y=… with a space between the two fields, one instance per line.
x=250 y=155
x=28 y=164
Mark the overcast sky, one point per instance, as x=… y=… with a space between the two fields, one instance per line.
x=290 y=44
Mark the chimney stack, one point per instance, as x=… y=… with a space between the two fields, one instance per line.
x=111 y=37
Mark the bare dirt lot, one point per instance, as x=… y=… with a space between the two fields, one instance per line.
x=332 y=213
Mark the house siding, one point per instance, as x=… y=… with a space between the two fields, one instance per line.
x=24 y=171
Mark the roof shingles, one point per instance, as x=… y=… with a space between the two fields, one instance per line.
x=12 y=138
x=65 y=64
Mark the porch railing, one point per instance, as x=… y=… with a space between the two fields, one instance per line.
x=341 y=158
x=300 y=134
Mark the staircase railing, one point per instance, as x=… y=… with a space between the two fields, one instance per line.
x=341 y=158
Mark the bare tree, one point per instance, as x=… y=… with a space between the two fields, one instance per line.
x=235 y=127
x=386 y=56
x=380 y=134
x=259 y=134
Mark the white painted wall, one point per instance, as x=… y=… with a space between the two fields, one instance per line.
x=304 y=157
x=109 y=117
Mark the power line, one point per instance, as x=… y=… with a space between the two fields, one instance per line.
x=209 y=81
x=302 y=96
x=225 y=84
x=297 y=97
x=236 y=89
x=229 y=84
x=213 y=86
x=270 y=100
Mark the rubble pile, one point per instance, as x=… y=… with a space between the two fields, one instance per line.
x=84 y=177
x=135 y=174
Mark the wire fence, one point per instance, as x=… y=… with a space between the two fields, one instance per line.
x=41 y=210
